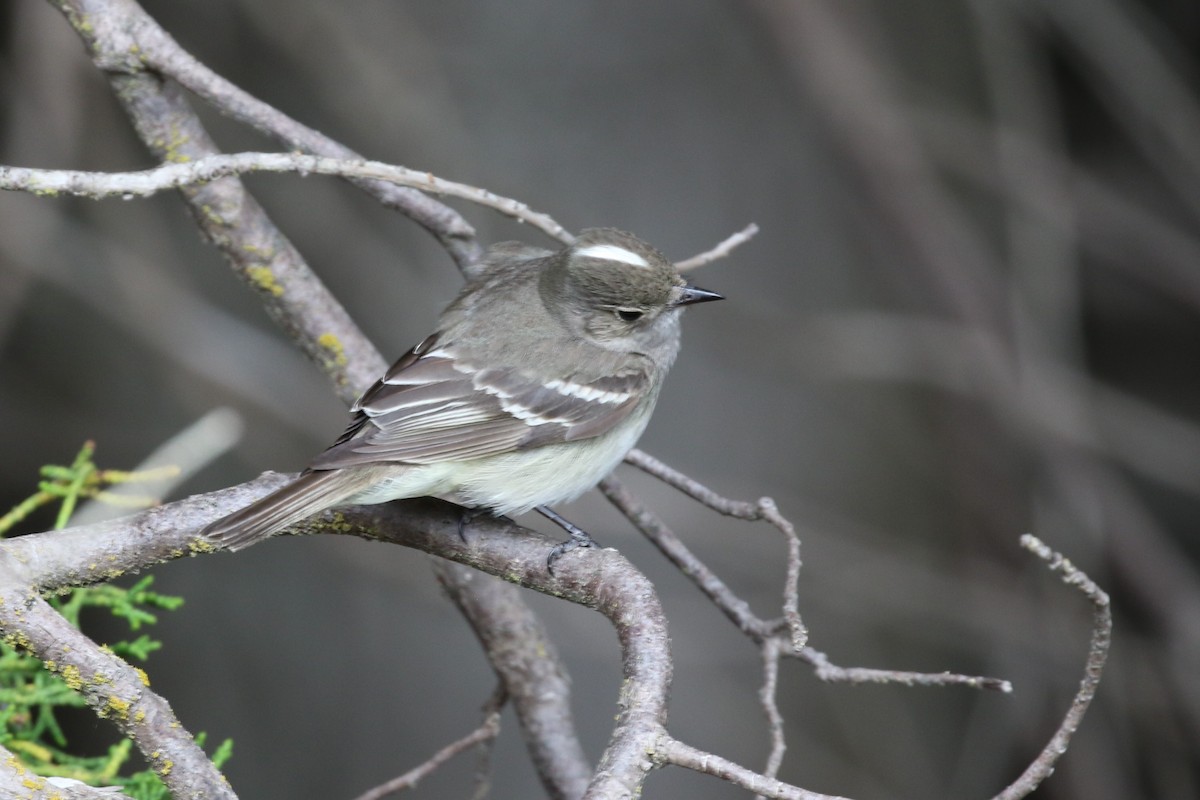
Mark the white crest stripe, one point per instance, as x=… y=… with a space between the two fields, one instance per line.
x=611 y=252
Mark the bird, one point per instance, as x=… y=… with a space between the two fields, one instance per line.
x=540 y=376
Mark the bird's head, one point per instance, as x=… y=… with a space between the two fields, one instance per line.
x=618 y=291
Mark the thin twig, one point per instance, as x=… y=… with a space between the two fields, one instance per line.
x=832 y=673
x=673 y=751
x=486 y=732
x=483 y=762
x=735 y=608
x=144 y=183
x=771 y=650
x=1042 y=766
x=722 y=249
x=765 y=509
x=738 y=610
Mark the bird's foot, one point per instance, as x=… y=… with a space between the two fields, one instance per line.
x=579 y=537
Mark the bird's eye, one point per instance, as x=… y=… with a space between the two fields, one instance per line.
x=629 y=314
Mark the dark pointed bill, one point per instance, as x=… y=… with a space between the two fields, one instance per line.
x=694 y=294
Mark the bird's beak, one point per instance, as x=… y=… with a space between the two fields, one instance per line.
x=694 y=294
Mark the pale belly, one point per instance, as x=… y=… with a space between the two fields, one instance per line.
x=516 y=482
x=512 y=483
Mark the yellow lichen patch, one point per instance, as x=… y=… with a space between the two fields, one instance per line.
x=71 y=677
x=118 y=706
x=333 y=345
x=165 y=770
x=337 y=522
x=139 y=716
x=142 y=676
x=12 y=763
x=253 y=249
x=171 y=147
x=211 y=215
x=17 y=639
x=264 y=279
x=198 y=546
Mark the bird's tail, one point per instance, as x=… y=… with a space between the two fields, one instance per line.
x=309 y=494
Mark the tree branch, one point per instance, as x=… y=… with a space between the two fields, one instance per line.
x=206 y=169
x=486 y=732
x=523 y=655
x=112 y=687
x=231 y=219
x=266 y=261
x=123 y=38
x=722 y=249
x=18 y=783
x=1043 y=766
x=599 y=579
x=673 y=751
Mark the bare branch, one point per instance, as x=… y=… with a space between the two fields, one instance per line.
x=523 y=655
x=206 y=169
x=673 y=751
x=736 y=609
x=722 y=249
x=1043 y=766
x=489 y=730
x=765 y=509
x=832 y=673
x=599 y=579
x=771 y=650
x=123 y=38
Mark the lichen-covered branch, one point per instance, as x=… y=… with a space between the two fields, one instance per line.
x=599 y=579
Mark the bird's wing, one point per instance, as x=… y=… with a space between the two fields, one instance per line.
x=433 y=406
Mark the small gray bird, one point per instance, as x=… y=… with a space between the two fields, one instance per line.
x=541 y=376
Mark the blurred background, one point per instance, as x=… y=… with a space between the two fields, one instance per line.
x=973 y=311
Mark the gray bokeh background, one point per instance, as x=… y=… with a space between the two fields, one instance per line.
x=972 y=312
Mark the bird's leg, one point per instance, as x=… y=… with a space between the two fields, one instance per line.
x=579 y=537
